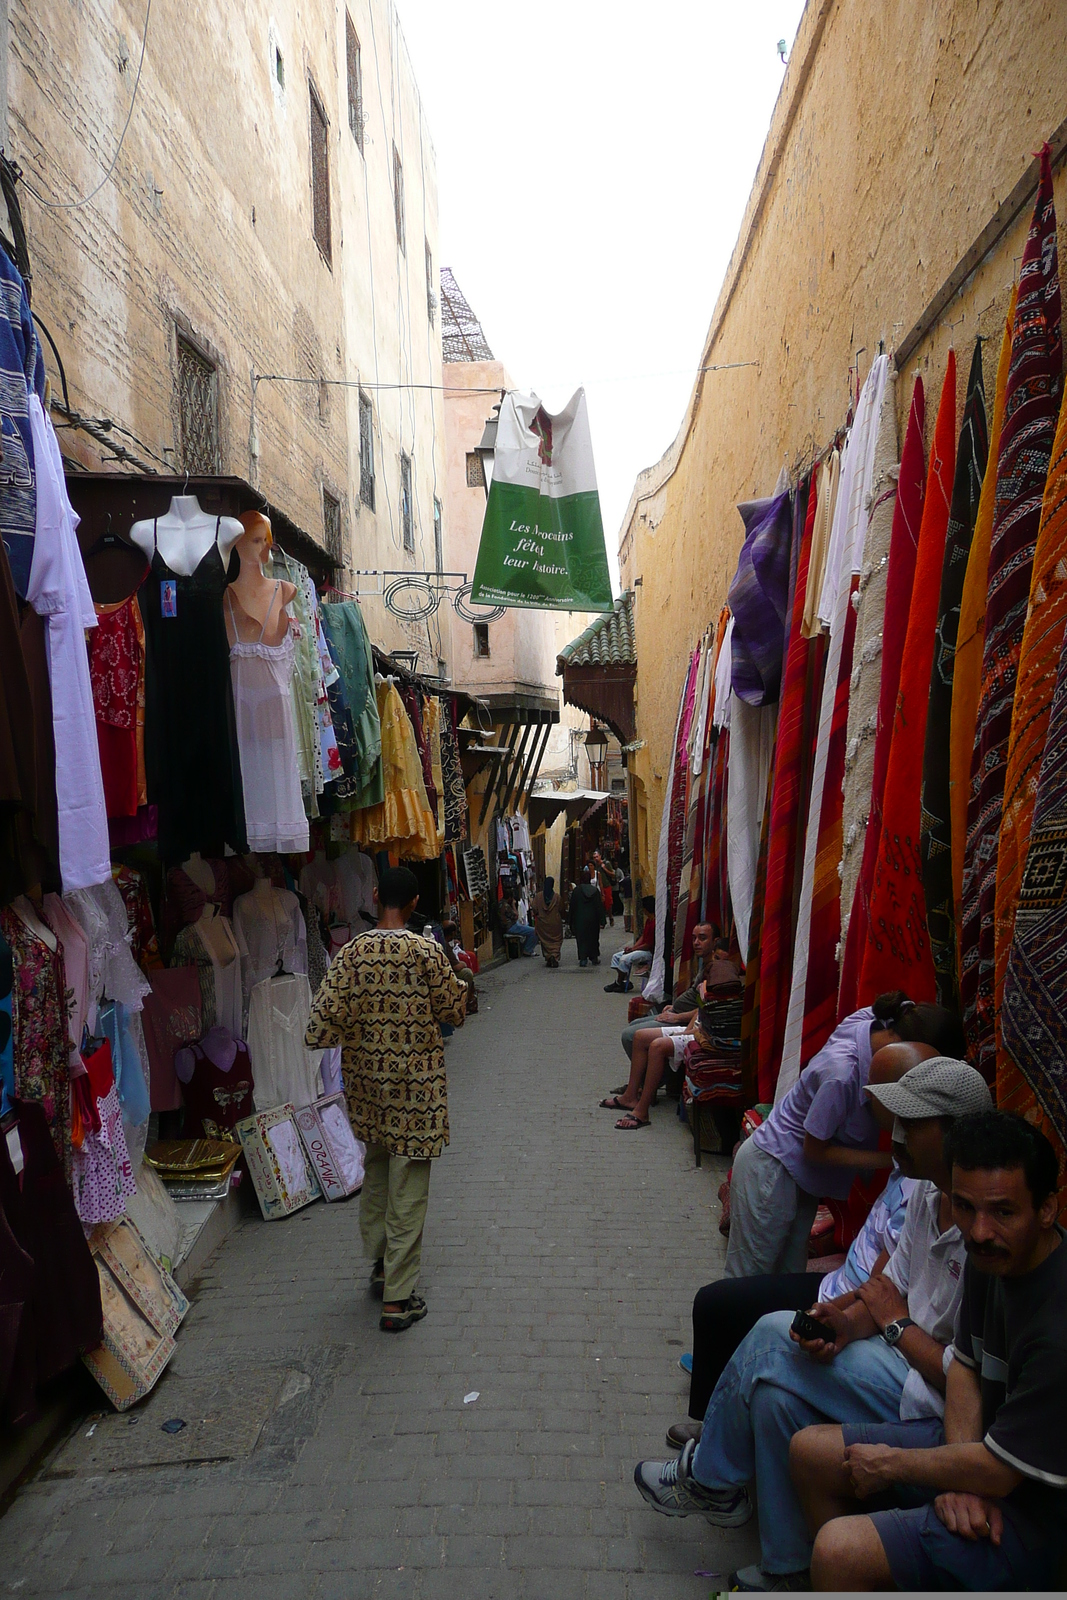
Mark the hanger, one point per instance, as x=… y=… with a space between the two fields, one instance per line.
x=110 y=540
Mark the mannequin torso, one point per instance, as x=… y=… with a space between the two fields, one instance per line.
x=185 y=534
x=262 y=600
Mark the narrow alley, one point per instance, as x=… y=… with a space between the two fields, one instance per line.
x=489 y=1451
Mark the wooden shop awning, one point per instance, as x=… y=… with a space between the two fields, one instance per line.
x=113 y=501
x=599 y=670
x=577 y=803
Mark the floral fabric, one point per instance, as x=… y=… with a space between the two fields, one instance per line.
x=39 y=1018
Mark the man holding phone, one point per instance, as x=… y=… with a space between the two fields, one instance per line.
x=881 y=1357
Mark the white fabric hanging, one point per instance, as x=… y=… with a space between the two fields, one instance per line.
x=747 y=775
x=270 y=933
x=847 y=539
x=58 y=591
x=653 y=989
x=702 y=707
x=720 y=715
x=284 y=1070
x=262 y=675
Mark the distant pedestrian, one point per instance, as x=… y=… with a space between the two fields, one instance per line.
x=604 y=876
x=383 y=1001
x=586 y=915
x=546 y=908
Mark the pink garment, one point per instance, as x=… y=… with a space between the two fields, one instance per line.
x=218 y=1044
x=75 y=948
x=102 y=1177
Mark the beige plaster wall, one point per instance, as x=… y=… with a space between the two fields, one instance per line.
x=207 y=224
x=898 y=131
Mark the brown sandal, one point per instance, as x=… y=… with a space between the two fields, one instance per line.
x=412 y=1310
x=631 y=1124
x=613 y=1103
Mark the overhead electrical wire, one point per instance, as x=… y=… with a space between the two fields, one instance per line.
x=72 y=205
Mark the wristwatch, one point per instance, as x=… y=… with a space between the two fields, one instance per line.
x=893 y=1331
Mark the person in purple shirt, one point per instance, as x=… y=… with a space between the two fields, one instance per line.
x=820 y=1135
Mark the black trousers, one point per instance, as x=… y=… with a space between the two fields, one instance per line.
x=724 y=1312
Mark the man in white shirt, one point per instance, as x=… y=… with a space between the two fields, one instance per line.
x=882 y=1359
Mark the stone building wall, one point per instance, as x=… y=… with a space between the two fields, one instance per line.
x=205 y=231
x=899 y=130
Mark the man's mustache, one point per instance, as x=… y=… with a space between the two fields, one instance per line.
x=986 y=1250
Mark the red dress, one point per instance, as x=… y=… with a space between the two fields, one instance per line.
x=116 y=673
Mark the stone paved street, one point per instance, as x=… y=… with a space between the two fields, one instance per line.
x=560 y=1261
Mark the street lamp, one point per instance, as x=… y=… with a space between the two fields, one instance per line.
x=596 y=746
x=486 y=448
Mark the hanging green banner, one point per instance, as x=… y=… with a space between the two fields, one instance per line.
x=542 y=542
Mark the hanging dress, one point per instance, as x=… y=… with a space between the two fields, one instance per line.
x=191 y=754
x=39 y=1025
x=262 y=677
x=403 y=820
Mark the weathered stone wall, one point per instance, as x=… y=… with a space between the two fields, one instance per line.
x=206 y=227
x=898 y=131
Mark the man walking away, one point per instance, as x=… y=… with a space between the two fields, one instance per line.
x=383 y=1001
x=587 y=916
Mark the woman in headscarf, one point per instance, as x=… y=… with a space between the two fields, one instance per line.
x=546 y=908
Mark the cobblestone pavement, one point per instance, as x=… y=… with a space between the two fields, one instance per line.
x=559 y=1264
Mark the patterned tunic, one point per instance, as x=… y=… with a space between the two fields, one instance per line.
x=383 y=1001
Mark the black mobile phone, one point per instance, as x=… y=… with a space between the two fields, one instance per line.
x=806 y=1326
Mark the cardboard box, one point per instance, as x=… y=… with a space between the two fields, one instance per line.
x=332 y=1148
x=276 y=1162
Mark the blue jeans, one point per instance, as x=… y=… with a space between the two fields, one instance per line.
x=522 y=930
x=625 y=960
x=768 y=1391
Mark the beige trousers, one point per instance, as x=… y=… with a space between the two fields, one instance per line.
x=392 y=1214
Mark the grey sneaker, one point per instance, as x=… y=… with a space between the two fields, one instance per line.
x=753 y=1580
x=670 y=1487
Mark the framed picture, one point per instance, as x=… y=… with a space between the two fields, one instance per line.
x=332 y=1148
x=284 y=1182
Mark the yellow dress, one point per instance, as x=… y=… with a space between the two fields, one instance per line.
x=431 y=726
x=403 y=822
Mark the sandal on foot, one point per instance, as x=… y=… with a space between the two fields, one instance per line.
x=412 y=1310
x=631 y=1124
x=613 y=1103
x=376 y=1282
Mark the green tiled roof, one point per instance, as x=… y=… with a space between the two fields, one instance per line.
x=607 y=642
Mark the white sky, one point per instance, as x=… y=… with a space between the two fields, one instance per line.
x=593 y=165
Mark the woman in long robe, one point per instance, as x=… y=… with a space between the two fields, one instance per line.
x=546 y=908
x=587 y=916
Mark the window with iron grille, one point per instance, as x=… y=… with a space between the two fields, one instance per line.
x=320 y=177
x=438 y=536
x=407 y=517
x=366 y=451
x=198 y=408
x=331 y=525
x=475 y=470
x=431 y=297
x=355 y=82
x=398 y=199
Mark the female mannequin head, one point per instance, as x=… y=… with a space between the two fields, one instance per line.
x=254 y=545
